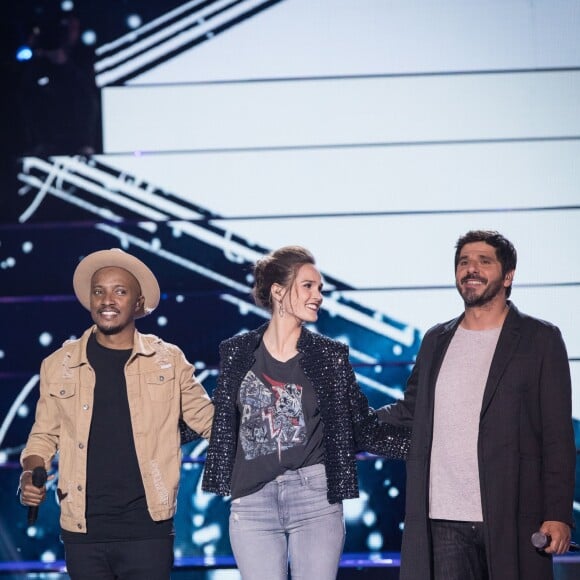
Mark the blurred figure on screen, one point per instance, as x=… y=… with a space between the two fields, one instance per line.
x=61 y=103
x=290 y=417
x=492 y=456
x=113 y=404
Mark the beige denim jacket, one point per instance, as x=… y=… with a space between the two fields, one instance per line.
x=161 y=387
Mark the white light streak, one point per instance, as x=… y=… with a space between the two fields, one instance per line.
x=16 y=404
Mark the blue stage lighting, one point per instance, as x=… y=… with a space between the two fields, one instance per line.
x=24 y=53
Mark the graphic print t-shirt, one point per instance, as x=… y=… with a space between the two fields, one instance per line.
x=279 y=420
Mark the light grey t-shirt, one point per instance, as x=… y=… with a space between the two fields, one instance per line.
x=454 y=475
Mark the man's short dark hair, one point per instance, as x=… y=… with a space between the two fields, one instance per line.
x=504 y=249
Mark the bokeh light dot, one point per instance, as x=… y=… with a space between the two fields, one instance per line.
x=45 y=339
x=48 y=556
x=134 y=21
x=89 y=37
x=375 y=541
x=369 y=518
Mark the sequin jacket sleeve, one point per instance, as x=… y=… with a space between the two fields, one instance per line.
x=371 y=435
x=236 y=359
x=350 y=425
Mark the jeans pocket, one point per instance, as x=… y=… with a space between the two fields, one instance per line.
x=316 y=482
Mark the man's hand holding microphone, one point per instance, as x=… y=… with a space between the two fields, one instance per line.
x=32 y=486
x=554 y=538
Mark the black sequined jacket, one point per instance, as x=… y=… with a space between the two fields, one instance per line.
x=350 y=425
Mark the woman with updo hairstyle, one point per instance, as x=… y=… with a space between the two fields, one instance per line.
x=289 y=420
x=280 y=267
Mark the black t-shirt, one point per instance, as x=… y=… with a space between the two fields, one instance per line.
x=116 y=507
x=280 y=426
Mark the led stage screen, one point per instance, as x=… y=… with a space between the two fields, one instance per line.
x=356 y=129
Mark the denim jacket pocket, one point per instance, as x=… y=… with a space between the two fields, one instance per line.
x=160 y=384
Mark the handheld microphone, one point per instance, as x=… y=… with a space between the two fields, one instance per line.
x=39 y=477
x=541 y=541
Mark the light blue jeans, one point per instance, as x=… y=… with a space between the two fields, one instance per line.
x=289 y=518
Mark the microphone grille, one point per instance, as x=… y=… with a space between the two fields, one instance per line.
x=540 y=540
x=39 y=476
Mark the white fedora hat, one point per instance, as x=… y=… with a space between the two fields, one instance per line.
x=117 y=258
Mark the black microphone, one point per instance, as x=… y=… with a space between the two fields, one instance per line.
x=39 y=477
x=541 y=541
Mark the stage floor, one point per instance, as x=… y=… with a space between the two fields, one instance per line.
x=380 y=566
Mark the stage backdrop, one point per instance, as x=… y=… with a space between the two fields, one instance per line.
x=374 y=133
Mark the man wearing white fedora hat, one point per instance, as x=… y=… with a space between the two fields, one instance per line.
x=110 y=404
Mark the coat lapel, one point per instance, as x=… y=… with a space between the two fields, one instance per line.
x=506 y=345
